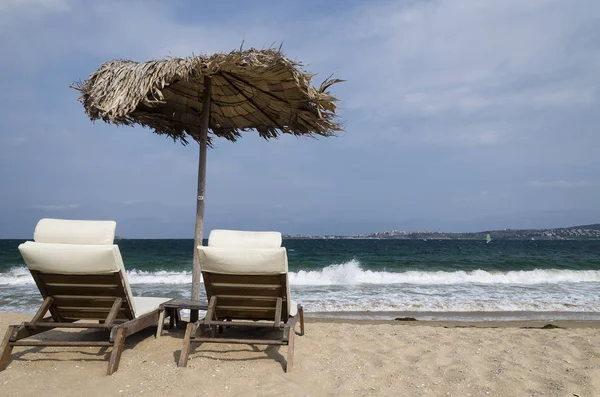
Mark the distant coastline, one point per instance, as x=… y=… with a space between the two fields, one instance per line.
x=584 y=232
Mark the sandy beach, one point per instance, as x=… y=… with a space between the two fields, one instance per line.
x=335 y=357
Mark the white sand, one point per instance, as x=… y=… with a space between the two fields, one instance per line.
x=333 y=358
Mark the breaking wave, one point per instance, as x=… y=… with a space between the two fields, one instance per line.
x=351 y=273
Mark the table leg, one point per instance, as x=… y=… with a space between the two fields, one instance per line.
x=172 y=311
x=193 y=315
x=161 y=321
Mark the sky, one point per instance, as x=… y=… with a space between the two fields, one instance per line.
x=459 y=115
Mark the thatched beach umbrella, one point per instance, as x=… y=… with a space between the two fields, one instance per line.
x=202 y=97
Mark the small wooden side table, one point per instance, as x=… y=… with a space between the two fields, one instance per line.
x=172 y=309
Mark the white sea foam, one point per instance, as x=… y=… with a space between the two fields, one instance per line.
x=16 y=276
x=347 y=288
x=159 y=277
x=351 y=273
x=21 y=276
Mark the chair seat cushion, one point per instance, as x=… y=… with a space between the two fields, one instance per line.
x=144 y=305
x=71 y=258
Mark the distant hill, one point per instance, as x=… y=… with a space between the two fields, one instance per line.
x=595 y=226
x=584 y=232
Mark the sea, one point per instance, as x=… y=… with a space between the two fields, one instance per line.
x=462 y=280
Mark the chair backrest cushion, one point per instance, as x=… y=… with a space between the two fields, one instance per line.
x=244 y=239
x=76 y=247
x=63 y=231
x=243 y=261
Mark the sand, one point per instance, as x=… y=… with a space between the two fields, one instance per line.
x=345 y=358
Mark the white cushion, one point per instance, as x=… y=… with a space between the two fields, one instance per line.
x=292 y=308
x=243 y=239
x=243 y=261
x=62 y=231
x=145 y=305
x=75 y=259
x=71 y=258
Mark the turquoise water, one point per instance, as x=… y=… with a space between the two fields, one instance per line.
x=381 y=277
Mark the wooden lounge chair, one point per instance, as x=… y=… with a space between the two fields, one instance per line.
x=246 y=279
x=80 y=275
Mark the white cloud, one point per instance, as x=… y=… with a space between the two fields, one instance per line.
x=565 y=97
x=561 y=184
x=106 y=34
x=484 y=137
x=468 y=61
x=430 y=103
x=52 y=5
x=53 y=207
x=133 y=202
x=455 y=136
x=483 y=197
x=12 y=141
x=19 y=11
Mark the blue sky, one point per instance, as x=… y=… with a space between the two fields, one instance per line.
x=459 y=116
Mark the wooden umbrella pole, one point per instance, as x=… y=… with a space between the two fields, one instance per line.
x=205 y=118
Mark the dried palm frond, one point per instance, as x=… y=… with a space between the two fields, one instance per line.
x=251 y=89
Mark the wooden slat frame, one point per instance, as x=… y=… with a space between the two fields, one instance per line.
x=42 y=311
x=235 y=298
x=239 y=294
x=70 y=298
x=97 y=289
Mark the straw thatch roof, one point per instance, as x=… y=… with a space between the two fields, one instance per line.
x=251 y=89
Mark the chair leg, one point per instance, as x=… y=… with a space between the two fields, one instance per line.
x=6 y=348
x=177 y=321
x=161 y=323
x=290 y=353
x=185 y=349
x=301 y=314
x=115 y=356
